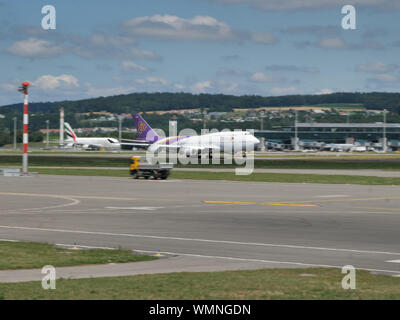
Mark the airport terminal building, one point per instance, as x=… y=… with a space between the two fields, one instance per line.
x=335 y=133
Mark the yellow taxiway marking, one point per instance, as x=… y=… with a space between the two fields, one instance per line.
x=289 y=204
x=263 y=204
x=307 y=203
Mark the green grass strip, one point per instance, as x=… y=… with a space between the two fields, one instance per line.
x=75 y=161
x=267 y=284
x=26 y=255
x=254 y=177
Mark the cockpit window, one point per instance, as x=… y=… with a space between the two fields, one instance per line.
x=111 y=141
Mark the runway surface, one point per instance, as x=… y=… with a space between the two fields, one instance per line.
x=276 y=224
x=166 y=264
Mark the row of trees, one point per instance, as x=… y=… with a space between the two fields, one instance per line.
x=7 y=137
x=142 y=102
x=136 y=102
x=38 y=122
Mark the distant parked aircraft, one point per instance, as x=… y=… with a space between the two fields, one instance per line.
x=91 y=143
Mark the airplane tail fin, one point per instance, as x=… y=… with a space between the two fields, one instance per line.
x=144 y=131
x=69 y=132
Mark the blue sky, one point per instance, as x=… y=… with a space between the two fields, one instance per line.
x=273 y=47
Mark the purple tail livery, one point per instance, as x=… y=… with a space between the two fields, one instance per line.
x=144 y=131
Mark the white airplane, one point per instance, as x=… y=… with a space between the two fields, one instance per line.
x=231 y=141
x=359 y=149
x=339 y=147
x=89 y=143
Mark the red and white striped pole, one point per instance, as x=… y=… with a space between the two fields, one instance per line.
x=24 y=89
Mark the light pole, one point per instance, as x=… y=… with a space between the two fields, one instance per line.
x=120 y=118
x=384 y=131
x=204 y=119
x=15 y=134
x=296 y=145
x=47 y=133
x=262 y=112
x=61 y=143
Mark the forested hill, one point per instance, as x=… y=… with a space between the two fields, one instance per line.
x=136 y=102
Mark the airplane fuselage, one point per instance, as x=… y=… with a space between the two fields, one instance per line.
x=226 y=141
x=105 y=143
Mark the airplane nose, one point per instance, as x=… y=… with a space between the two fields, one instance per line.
x=256 y=141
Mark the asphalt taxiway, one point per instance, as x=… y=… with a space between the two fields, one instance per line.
x=345 y=172
x=271 y=224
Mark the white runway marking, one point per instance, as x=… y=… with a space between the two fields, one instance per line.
x=200 y=240
x=334 y=196
x=223 y=257
x=263 y=261
x=73 y=202
x=393 y=261
x=41 y=195
x=135 y=208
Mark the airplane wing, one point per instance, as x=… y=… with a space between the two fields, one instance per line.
x=89 y=146
x=188 y=149
x=199 y=148
x=135 y=144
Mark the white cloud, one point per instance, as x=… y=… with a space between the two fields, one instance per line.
x=104 y=92
x=179 y=86
x=201 y=87
x=280 y=5
x=102 y=39
x=291 y=68
x=34 y=48
x=102 y=45
x=333 y=43
x=263 y=78
x=263 y=38
x=376 y=67
x=9 y=86
x=128 y=66
x=384 y=77
x=196 y=28
x=49 y=82
x=321 y=30
x=109 y=49
x=337 y=43
x=154 y=81
x=283 y=91
x=136 y=53
x=324 y=91
x=232 y=72
x=173 y=27
x=227 y=87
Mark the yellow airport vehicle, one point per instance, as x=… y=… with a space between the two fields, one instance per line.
x=139 y=168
